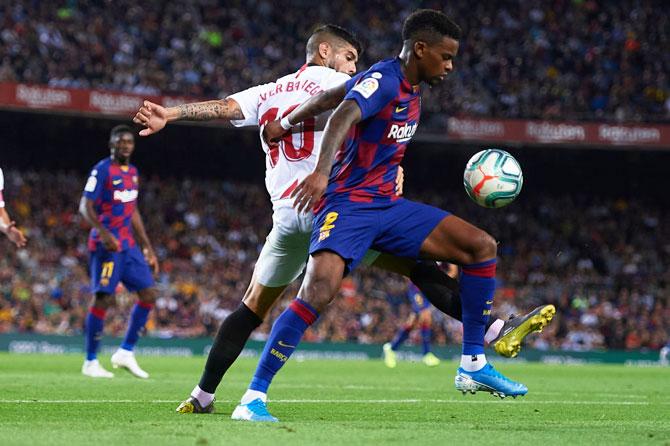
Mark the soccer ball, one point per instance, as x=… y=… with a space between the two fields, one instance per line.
x=493 y=178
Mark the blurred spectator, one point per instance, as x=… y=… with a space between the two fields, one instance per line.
x=568 y=59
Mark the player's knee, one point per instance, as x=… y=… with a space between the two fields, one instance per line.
x=103 y=301
x=260 y=299
x=148 y=296
x=318 y=293
x=484 y=247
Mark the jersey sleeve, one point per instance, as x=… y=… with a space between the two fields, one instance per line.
x=351 y=83
x=373 y=92
x=249 y=100
x=2 y=187
x=95 y=183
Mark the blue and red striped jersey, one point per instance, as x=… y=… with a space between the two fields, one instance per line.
x=113 y=188
x=366 y=165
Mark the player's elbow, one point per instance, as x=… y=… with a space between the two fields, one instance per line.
x=83 y=207
x=346 y=115
x=331 y=98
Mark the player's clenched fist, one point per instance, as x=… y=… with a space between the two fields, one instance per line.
x=272 y=133
x=111 y=243
x=152 y=116
x=309 y=191
x=399 y=181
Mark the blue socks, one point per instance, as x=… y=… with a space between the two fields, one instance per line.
x=401 y=337
x=286 y=333
x=138 y=319
x=477 y=287
x=426 y=335
x=95 y=321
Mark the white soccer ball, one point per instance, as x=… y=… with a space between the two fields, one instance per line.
x=493 y=178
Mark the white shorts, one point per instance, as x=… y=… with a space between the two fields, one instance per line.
x=286 y=249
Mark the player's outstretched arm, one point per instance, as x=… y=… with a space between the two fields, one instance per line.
x=154 y=116
x=8 y=227
x=147 y=249
x=314 y=106
x=312 y=188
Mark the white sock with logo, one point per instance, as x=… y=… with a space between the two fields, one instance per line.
x=493 y=331
x=472 y=363
x=204 y=398
x=251 y=395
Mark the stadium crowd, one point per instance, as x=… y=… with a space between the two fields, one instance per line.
x=576 y=59
x=600 y=261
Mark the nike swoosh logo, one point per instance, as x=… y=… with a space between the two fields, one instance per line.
x=399 y=109
x=489 y=302
x=117 y=182
x=281 y=344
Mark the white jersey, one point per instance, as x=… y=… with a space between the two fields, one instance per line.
x=2 y=186
x=297 y=154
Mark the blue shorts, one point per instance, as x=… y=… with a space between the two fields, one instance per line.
x=129 y=267
x=419 y=303
x=349 y=229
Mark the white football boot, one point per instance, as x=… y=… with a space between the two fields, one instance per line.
x=126 y=359
x=93 y=369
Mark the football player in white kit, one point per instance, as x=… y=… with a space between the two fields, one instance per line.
x=7 y=226
x=332 y=53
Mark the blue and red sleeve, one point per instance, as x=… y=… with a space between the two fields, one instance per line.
x=373 y=92
x=96 y=182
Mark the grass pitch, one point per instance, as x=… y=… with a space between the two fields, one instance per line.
x=45 y=400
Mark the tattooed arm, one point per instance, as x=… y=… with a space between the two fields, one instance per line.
x=154 y=117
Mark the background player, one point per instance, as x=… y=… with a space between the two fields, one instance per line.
x=7 y=225
x=359 y=211
x=109 y=204
x=421 y=316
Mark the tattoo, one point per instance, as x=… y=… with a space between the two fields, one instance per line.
x=206 y=111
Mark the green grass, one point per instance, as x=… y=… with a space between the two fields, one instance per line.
x=44 y=400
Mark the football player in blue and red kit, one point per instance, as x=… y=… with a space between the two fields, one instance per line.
x=109 y=204
x=351 y=190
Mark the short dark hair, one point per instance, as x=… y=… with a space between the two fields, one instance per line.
x=118 y=130
x=429 y=25
x=335 y=31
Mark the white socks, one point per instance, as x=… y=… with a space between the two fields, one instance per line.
x=251 y=395
x=493 y=331
x=204 y=398
x=472 y=363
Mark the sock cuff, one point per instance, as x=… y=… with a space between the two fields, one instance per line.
x=145 y=305
x=304 y=311
x=250 y=315
x=482 y=269
x=97 y=312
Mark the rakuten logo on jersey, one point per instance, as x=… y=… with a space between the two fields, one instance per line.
x=402 y=133
x=125 y=196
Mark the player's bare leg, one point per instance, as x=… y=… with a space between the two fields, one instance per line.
x=458 y=241
x=124 y=357
x=229 y=342
x=93 y=331
x=323 y=278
